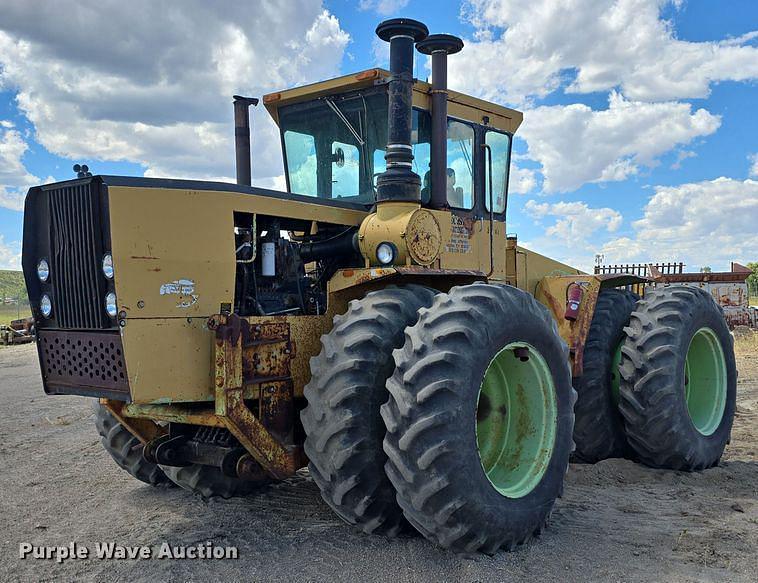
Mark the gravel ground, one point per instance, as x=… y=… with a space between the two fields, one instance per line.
x=618 y=521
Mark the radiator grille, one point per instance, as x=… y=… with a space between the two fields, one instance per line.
x=75 y=262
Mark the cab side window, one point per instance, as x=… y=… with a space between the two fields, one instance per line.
x=301 y=158
x=499 y=144
x=460 y=172
x=345 y=170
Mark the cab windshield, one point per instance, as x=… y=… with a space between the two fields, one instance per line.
x=334 y=146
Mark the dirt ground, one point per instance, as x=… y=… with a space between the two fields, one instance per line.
x=617 y=521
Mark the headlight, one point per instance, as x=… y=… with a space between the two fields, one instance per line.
x=108 y=266
x=385 y=253
x=46 y=306
x=43 y=270
x=110 y=305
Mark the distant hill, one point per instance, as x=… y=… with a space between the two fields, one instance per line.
x=12 y=285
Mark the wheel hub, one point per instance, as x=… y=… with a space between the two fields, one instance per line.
x=516 y=419
x=705 y=381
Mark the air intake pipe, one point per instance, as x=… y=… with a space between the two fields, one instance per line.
x=400 y=232
x=439 y=46
x=399 y=183
x=242 y=137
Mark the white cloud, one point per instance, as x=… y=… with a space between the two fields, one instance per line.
x=575 y=226
x=15 y=179
x=383 y=7
x=753 y=159
x=703 y=223
x=521 y=180
x=594 y=45
x=681 y=156
x=152 y=82
x=577 y=221
x=10 y=254
x=575 y=144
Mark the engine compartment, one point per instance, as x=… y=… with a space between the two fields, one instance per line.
x=283 y=265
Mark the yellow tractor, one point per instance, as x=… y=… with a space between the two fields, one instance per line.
x=375 y=323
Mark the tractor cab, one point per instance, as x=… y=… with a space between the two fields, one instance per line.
x=334 y=136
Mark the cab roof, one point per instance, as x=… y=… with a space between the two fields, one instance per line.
x=459 y=105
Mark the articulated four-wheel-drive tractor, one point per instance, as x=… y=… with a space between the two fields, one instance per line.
x=374 y=323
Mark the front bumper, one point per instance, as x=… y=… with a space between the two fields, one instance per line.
x=88 y=363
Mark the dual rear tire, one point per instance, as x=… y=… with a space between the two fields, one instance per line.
x=659 y=380
x=475 y=432
x=679 y=380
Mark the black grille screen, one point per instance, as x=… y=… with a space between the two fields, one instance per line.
x=74 y=256
x=83 y=359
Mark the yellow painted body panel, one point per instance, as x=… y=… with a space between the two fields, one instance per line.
x=173 y=255
x=163 y=236
x=168 y=359
x=466 y=244
x=552 y=291
x=531 y=268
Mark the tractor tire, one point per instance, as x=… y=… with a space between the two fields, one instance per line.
x=599 y=427
x=678 y=379
x=342 y=422
x=211 y=482
x=125 y=449
x=482 y=359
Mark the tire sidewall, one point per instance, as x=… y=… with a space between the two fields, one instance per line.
x=705 y=314
x=492 y=508
x=596 y=410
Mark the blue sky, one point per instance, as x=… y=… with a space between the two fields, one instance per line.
x=639 y=141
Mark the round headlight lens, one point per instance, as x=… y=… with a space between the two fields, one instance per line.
x=43 y=270
x=46 y=306
x=385 y=253
x=108 y=266
x=110 y=305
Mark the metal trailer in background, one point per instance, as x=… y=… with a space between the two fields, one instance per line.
x=728 y=288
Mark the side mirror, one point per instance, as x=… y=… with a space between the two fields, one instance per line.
x=338 y=157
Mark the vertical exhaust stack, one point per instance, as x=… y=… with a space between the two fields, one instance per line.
x=439 y=46
x=242 y=137
x=399 y=183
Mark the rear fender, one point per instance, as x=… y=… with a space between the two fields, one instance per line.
x=552 y=291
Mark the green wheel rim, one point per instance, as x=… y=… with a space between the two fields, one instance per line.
x=615 y=374
x=516 y=419
x=705 y=381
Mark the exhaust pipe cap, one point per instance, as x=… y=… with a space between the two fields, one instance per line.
x=446 y=43
x=402 y=27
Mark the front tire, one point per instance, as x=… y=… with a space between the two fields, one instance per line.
x=126 y=449
x=210 y=482
x=679 y=379
x=480 y=418
x=342 y=422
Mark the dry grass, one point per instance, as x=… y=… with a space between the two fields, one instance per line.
x=746 y=344
x=9 y=312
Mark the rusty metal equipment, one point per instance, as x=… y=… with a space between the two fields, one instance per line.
x=240 y=334
x=150 y=280
x=729 y=289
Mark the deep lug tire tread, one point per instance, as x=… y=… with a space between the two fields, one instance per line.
x=599 y=427
x=652 y=401
x=125 y=449
x=443 y=493
x=210 y=482
x=342 y=422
